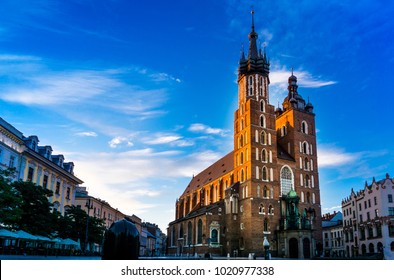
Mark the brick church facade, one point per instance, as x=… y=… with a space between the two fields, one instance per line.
x=267 y=187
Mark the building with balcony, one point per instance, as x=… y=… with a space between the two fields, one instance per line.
x=39 y=165
x=368 y=219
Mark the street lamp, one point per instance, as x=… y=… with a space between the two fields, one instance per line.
x=266 y=245
x=88 y=205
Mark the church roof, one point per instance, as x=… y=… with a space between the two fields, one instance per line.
x=283 y=154
x=210 y=174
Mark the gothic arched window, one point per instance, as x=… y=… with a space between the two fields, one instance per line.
x=263 y=138
x=199 y=232
x=304 y=127
x=262 y=121
x=286 y=180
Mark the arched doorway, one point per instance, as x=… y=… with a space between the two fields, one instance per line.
x=293 y=248
x=307 y=248
x=363 y=249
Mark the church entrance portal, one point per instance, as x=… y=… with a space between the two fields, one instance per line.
x=293 y=248
x=307 y=248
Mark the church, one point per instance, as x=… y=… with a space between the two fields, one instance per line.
x=267 y=188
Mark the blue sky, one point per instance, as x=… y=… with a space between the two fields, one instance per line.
x=140 y=95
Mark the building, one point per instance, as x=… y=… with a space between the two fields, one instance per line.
x=268 y=186
x=37 y=164
x=96 y=207
x=332 y=227
x=159 y=247
x=369 y=220
x=11 y=146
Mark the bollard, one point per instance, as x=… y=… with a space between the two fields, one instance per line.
x=121 y=241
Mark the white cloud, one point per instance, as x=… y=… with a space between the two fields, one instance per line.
x=330 y=156
x=162 y=139
x=117 y=141
x=87 y=134
x=18 y=58
x=202 y=128
x=279 y=77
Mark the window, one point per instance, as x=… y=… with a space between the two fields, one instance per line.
x=266 y=225
x=262 y=106
x=57 y=189
x=265 y=175
x=250 y=85
x=189 y=233
x=304 y=127
x=261 y=209
x=12 y=162
x=283 y=131
x=264 y=155
x=369 y=203
x=173 y=237
x=68 y=193
x=286 y=180
x=45 y=181
x=270 y=210
x=263 y=138
x=30 y=174
x=307 y=181
x=265 y=192
x=391 y=230
x=375 y=201
x=214 y=236
x=368 y=216
x=262 y=121
x=391 y=211
x=390 y=198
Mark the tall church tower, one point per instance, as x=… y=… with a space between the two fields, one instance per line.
x=255 y=148
x=267 y=187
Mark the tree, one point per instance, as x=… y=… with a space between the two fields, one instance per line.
x=10 y=200
x=37 y=216
x=79 y=219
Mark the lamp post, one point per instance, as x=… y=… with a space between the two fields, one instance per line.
x=266 y=245
x=88 y=205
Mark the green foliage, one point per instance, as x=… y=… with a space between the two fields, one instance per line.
x=26 y=206
x=78 y=219
x=10 y=200
x=37 y=216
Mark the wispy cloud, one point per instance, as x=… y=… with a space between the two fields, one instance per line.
x=331 y=156
x=162 y=139
x=87 y=134
x=95 y=98
x=279 y=77
x=349 y=164
x=202 y=128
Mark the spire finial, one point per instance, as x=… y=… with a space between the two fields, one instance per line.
x=252 y=12
x=292 y=71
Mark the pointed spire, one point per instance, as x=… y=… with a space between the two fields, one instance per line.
x=252 y=12
x=242 y=58
x=253 y=53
